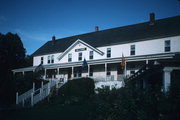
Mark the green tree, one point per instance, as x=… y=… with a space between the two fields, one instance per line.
x=12 y=55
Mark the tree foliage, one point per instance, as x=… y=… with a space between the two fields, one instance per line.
x=12 y=55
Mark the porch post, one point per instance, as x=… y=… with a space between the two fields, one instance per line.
x=105 y=71
x=88 y=69
x=125 y=69
x=44 y=73
x=72 y=72
x=23 y=73
x=57 y=71
x=17 y=101
x=166 y=79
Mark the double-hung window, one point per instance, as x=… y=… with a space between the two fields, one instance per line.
x=42 y=59
x=167 y=45
x=108 y=52
x=132 y=52
x=80 y=56
x=91 y=55
x=49 y=59
x=69 y=57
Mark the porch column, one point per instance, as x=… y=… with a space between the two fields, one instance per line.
x=166 y=79
x=125 y=70
x=57 y=75
x=105 y=71
x=147 y=62
x=88 y=69
x=72 y=72
x=57 y=71
x=44 y=73
x=23 y=73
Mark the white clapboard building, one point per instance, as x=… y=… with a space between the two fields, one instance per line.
x=103 y=50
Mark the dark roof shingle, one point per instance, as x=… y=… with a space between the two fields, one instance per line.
x=137 y=32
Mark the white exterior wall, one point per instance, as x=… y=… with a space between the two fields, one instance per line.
x=37 y=59
x=155 y=46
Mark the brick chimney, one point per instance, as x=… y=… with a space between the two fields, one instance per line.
x=53 y=40
x=96 y=29
x=151 y=19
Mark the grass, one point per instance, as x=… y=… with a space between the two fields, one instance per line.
x=55 y=109
x=48 y=112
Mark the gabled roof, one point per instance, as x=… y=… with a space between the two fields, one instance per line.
x=137 y=32
x=77 y=42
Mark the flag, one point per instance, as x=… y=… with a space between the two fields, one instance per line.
x=39 y=68
x=122 y=62
x=85 y=65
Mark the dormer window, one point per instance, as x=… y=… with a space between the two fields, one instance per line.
x=167 y=45
x=108 y=52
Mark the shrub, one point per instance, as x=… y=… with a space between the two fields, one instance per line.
x=77 y=90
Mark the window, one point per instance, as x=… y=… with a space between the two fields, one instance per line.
x=167 y=45
x=132 y=50
x=91 y=55
x=49 y=59
x=108 y=52
x=42 y=60
x=52 y=59
x=91 y=72
x=108 y=71
x=69 y=57
x=80 y=56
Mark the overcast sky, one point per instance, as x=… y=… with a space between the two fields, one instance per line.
x=36 y=21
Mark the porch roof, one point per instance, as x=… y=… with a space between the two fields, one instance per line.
x=101 y=61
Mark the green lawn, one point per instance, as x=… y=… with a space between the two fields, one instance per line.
x=48 y=112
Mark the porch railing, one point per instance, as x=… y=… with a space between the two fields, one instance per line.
x=108 y=78
x=33 y=96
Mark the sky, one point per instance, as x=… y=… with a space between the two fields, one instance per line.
x=36 y=21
